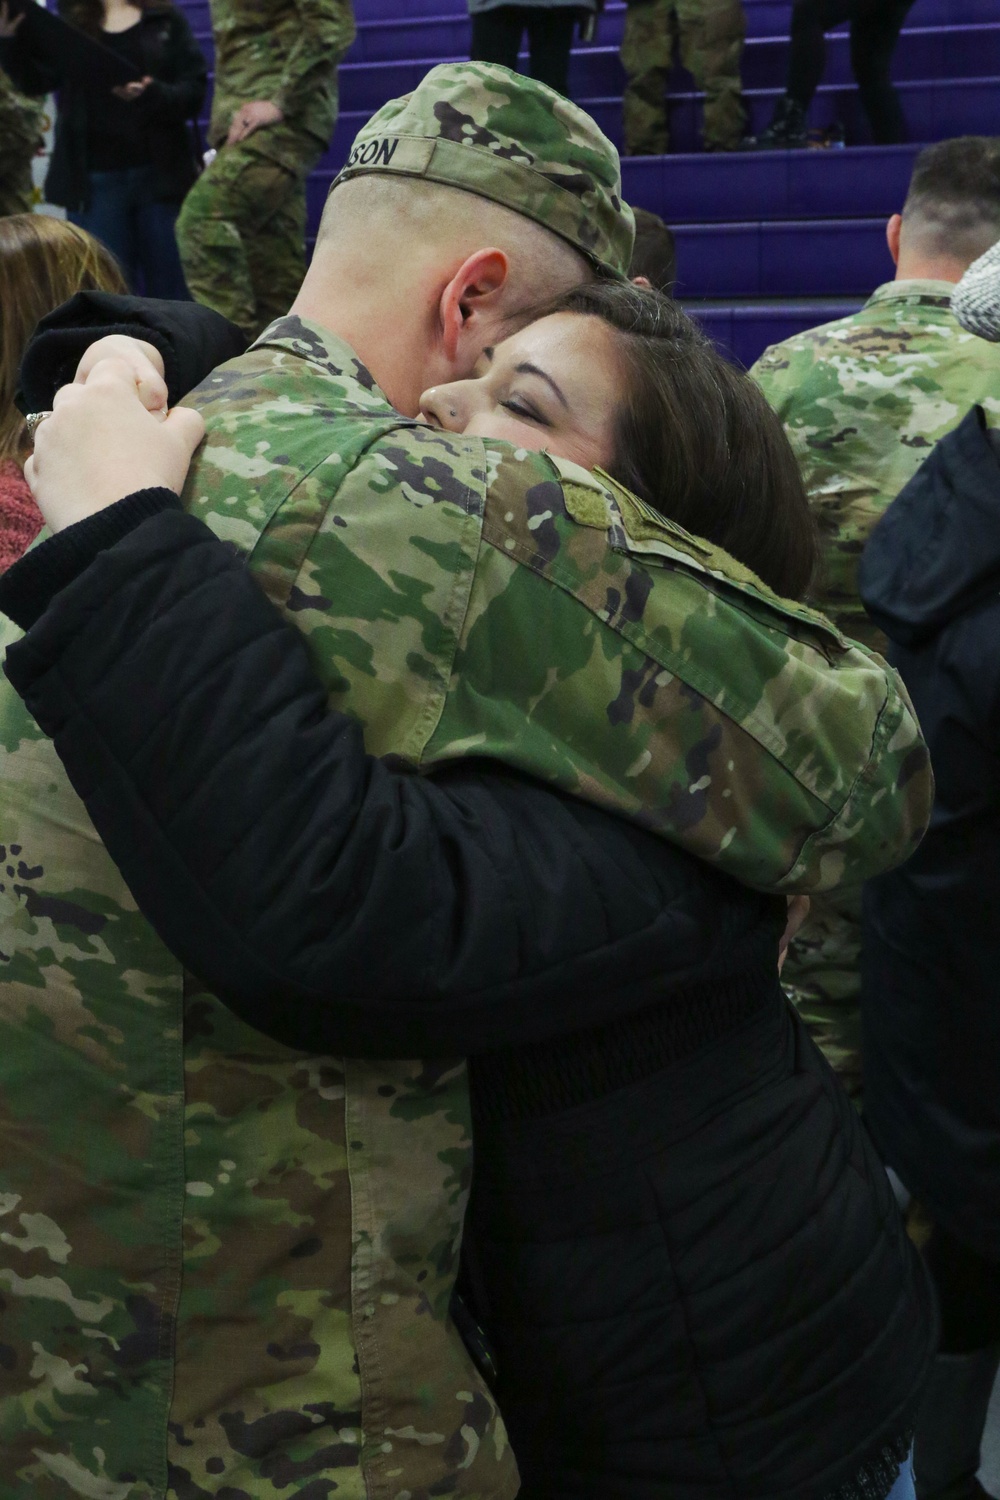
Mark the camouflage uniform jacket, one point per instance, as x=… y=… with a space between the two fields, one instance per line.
x=283 y=50
x=863 y=401
x=227 y=1265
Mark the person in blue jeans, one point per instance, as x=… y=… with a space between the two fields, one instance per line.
x=903 y=1488
x=123 y=159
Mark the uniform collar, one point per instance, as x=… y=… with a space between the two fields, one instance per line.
x=330 y=355
x=915 y=292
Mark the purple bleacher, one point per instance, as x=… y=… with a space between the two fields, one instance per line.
x=751 y=228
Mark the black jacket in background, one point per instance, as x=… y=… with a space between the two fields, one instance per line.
x=930 y=578
x=685 y=1252
x=180 y=74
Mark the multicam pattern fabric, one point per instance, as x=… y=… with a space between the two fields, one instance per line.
x=241 y=229
x=283 y=50
x=425 y=568
x=226 y=1265
x=710 y=34
x=241 y=232
x=208 y=1243
x=20 y=137
x=480 y=127
x=863 y=401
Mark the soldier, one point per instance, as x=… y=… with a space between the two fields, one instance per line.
x=20 y=138
x=241 y=230
x=711 y=35
x=235 y=1269
x=864 y=400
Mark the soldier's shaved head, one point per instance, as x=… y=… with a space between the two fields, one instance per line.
x=952 y=209
x=395 y=219
x=419 y=277
x=461 y=207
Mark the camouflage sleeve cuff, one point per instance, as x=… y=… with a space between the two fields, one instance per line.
x=28 y=588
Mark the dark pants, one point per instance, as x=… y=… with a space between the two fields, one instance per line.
x=968 y=1290
x=496 y=38
x=875 y=28
x=124 y=215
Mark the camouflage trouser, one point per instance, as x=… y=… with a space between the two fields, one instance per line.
x=821 y=977
x=242 y=227
x=711 y=34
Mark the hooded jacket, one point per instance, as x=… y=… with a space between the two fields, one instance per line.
x=930 y=578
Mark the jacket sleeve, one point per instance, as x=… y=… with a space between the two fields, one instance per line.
x=26 y=70
x=192 y=339
x=334 y=901
x=183 y=96
x=326 y=30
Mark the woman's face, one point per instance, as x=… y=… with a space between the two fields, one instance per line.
x=553 y=387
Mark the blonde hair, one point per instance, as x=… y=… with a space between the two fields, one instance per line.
x=43 y=261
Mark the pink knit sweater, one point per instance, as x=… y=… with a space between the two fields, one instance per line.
x=20 y=518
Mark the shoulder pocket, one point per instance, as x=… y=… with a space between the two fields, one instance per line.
x=638 y=531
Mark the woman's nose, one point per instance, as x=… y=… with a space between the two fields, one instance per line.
x=443 y=406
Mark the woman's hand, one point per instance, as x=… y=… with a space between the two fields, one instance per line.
x=101 y=444
x=130 y=91
x=144 y=360
x=9 y=23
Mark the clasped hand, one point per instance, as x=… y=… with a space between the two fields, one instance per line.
x=110 y=434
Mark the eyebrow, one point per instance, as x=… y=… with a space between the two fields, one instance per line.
x=528 y=369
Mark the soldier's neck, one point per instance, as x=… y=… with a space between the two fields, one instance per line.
x=930 y=268
x=382 y=323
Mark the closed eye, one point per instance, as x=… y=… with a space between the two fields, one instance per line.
x=526 y=413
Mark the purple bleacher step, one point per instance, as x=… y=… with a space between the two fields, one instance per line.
x=394 y=31
x=865 y=181
x=949 y=45
x=970 y=51
x=935 y=109
x=764 y=17
x=838 y=258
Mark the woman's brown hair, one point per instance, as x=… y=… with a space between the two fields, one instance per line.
x=42 y=262
x=695 y=438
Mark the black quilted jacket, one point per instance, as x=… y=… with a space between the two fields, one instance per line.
x=683 y=1250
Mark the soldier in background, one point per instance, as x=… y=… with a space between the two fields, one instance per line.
x=20 y=138
x=864 y=400
x=654 y=254
x=711 y=35
x=241 y=231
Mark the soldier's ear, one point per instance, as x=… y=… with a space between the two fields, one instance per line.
x=470 y=303
x=892 y=229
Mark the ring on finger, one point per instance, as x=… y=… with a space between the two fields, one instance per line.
x=33 y=420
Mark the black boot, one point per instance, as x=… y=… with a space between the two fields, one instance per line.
x=787 y=128
x=950 y=1425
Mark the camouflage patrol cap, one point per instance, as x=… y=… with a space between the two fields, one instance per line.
x=482 y=128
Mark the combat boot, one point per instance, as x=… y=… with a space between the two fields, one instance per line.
x=950 y=1425
x=787 y=128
